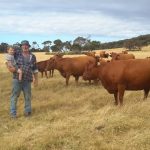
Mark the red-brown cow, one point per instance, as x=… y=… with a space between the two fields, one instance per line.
x=118 y=76
x=49 y=68
x=121 y=56
x=103 y=54
x=125 y=52
x=102 y=60
x=42 y=68
x=71 y=66
x=90 y=54
x=93 y=74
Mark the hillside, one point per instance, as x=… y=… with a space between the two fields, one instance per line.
x=138 y=42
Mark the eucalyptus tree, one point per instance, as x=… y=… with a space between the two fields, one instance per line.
x=47 y=45
x=35 y=45
x=58 y=44
x=67 y=46
x=3 y=47
x=83 y=43
x=80 y=41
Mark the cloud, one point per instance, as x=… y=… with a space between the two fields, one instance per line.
x=109 y=18
x=62 y=23
x=111 y=7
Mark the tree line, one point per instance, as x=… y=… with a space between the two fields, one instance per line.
x=132 y=44
x=83 y=44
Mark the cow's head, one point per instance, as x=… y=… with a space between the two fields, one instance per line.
x=59 y=55
x=106 y=55
x=87 y=75
x=125 y=52
x=51 y=63
x=53 y=60
x=114 y=56
x=90 y=54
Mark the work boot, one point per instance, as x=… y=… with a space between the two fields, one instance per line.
x=27 y=114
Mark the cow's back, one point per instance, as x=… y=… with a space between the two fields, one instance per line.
x=134 y=74
x=126 y=56
x=76 y=65
x=42 y=65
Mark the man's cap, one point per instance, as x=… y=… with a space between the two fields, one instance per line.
x=25 y=42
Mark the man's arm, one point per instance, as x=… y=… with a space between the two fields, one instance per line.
x=35 y=72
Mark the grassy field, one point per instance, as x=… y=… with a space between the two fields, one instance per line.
x=78 y=117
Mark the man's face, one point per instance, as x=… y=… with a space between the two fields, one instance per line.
x=25 y=48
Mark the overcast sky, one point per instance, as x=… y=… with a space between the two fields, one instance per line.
x=102 y=20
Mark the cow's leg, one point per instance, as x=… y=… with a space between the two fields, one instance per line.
x=52 y=72
x=49 y=73
x=46 y=74
x=146 y=91
x=96 y=81
x=116 y=98
x=67 y=79
x=42 y=74
x=89 y=81
x=121 y=90
x=76 y=79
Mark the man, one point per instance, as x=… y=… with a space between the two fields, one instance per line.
x=27 y=62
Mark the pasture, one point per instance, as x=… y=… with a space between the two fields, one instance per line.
x=77 y=117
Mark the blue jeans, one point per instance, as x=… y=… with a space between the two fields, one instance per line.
x=17 y=87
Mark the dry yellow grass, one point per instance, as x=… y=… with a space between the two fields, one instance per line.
x=79 y=117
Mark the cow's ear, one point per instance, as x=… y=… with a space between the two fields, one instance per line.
x=110 y=54
x=114 y=56
x=52 y=59
x=59 y=55
x=97 y=57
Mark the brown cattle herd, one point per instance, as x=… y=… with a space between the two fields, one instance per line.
x=117 y=72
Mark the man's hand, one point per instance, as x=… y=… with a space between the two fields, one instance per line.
x=35 y=79
x=35 y=83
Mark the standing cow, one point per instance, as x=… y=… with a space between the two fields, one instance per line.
x=121 y=56
x=71 y=66
x=42 y=68
x=103 y=54
x=121 y=75
x=90 y=53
